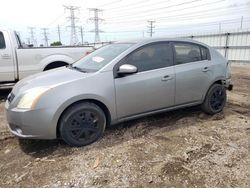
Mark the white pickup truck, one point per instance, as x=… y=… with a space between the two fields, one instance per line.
x=17 y=62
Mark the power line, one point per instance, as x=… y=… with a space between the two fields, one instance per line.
x=183 y=18
x=157 y=12
x=55 y=20
x=110 y=3
x=73 y=18
x=151 y=27
x=96 y=19
x=228 y=21
x=45 y=36
x=190 y=15
x=161 y=8
x=129 y=5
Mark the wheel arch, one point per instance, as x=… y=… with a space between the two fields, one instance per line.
x=55 y=64
x=219 y=80
x=95 y=101
x=55 y=58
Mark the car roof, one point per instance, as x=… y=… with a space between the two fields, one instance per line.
x=155 y=39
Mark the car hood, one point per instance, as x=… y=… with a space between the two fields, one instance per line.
x=49 y=78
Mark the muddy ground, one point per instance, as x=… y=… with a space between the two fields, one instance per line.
x=183 y=148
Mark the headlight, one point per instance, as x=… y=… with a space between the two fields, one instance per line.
x=31 y=97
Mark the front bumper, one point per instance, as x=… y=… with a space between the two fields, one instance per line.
x=32 y=124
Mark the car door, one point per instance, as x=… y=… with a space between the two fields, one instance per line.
x=193 y=72
x=6 y=59
x=152 y=87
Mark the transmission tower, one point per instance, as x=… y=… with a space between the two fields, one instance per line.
x=73 y=19
x=59 y=33
x=32 y=35
x=96 y=20
x=45 y=36
x=151 y=27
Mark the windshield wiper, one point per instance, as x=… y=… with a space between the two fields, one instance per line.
x=77 y=68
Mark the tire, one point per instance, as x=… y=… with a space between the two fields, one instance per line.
x=215 y=99
x=82 y=124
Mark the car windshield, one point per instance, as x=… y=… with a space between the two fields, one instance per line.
x=101 y=57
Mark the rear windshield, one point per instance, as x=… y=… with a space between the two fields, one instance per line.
x=101 y=57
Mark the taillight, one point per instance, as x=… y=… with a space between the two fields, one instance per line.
x=228 y=70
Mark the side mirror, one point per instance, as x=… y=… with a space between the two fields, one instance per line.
x=127 y=69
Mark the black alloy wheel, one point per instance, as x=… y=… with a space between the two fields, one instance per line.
x=215 y=99
x=82 y=124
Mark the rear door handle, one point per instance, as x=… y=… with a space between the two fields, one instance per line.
x=205 y=69
x=6 y=56
x=166 y=78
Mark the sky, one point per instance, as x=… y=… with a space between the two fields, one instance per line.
x=124 y=19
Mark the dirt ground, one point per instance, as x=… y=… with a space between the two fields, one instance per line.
x=183 y=148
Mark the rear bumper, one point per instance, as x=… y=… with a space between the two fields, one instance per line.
x=230 y=87
x=228 y=84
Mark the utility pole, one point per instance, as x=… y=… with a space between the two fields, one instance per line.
x=151 y=27
x=96 y=20
x=220 y=27
x=81 y=31
x=32 y=36
x=241 y=22
x=45 y=35
x=59 y=33
x=73 y=19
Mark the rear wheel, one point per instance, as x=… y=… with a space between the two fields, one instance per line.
x=215 y=99
x=82 y=124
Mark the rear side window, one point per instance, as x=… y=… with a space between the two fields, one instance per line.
x=2 y=41
x=185 y=53
x=150 y=57
x=204 y=53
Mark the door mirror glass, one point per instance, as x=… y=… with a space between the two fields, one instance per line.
x=127 y=69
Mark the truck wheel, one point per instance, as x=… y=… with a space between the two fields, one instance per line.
x=82 y=124
x=215 y=99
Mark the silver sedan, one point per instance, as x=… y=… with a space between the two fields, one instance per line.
x=118 y=82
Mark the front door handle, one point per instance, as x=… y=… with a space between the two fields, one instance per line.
x=166 y=78
x=205 y=69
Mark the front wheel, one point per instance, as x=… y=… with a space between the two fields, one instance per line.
x=82 y=124
x=215 y=99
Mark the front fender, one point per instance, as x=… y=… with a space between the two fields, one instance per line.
x=78 y=98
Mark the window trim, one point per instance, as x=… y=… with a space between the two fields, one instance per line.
x=190 y=43
x=4 y=41
x=118 y=64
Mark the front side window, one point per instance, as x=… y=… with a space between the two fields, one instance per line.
x=185 y=53
x=101 y=57
x=150 y=57
x=2 y=41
